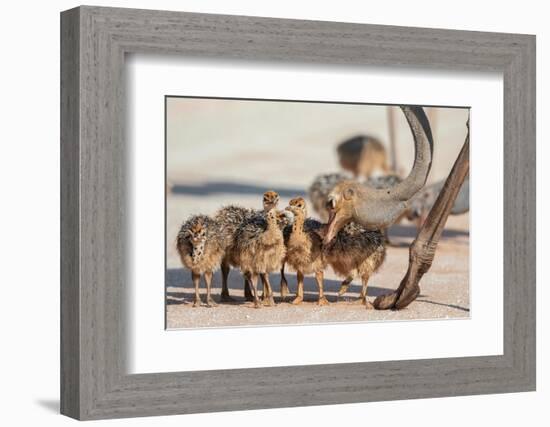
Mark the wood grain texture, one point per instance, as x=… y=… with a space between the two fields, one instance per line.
x=94 y=382
x=70 y=258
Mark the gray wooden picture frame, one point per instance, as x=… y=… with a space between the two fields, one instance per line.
x=94 y=41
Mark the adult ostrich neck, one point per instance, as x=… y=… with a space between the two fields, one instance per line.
x=379 y=208
x=423 y=145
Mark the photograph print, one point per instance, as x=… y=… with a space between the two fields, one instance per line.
x=292 y=212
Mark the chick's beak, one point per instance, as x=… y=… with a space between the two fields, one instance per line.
x=289 y=215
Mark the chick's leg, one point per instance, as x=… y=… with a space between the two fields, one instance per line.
x=319 y=276
x=345 y=285
x=300 y=290
x=196 y=282
x=267 y=297
x=225 y=297
x=208 y=280
x=284 y=283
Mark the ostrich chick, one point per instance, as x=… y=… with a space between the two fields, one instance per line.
x=200 y=250
x=231 y=218
x=356 y=251
x=259 y=249
x=304 y=249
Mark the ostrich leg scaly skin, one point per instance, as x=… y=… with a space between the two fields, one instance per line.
x=422 y=250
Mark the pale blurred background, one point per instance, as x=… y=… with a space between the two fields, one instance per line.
x=286 y=144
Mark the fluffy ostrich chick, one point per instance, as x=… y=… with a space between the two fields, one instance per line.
x=304 y=249
x=258 y=250
x=201 y=250
x=356 y=252
x=231 y=218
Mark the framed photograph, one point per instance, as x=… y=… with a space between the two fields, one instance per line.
x=261 y=213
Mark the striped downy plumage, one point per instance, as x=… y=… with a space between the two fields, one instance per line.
x=356 y=252
x=258 y=250
x=231 y=218
x=304 y=251
x=200 y=249
x=285 y=219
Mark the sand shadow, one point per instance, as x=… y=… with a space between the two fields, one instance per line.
x=51 y=405
x=225 y=187
x=456 y=307
x=178 y=278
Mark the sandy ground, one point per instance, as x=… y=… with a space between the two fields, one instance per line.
x=221 y=152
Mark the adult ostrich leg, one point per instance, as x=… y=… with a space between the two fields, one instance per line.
x=422 y=250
